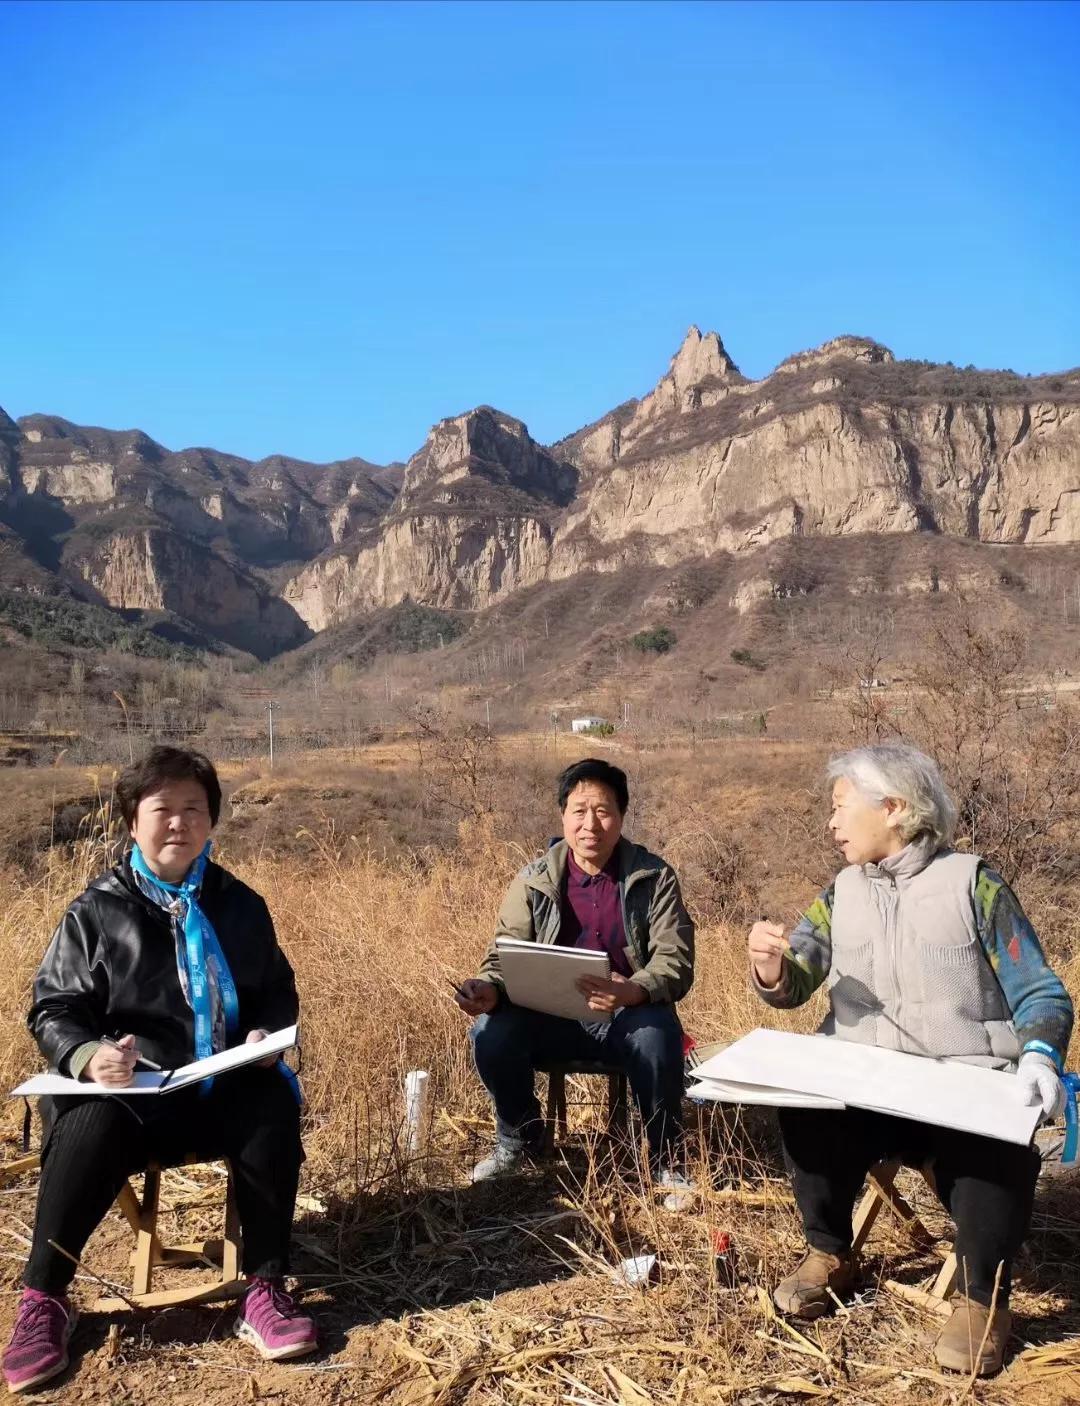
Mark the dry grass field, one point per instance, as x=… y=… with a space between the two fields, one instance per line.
x=383 y=871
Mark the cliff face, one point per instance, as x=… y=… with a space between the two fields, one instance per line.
x=443 y=560
x=473 y=522
x=150 y=569
x=839 y=441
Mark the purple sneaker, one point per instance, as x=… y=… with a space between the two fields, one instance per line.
x=270 y=1321
x=38 y=1348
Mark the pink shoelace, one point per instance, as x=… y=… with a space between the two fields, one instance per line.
x=270 y=1301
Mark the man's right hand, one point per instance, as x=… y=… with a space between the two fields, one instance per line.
x=767 y=947
x=113 y=1065
x=477 y=997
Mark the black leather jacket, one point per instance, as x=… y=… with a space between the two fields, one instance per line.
x=110 y=969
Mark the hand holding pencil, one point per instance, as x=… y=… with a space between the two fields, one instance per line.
x=767 y=946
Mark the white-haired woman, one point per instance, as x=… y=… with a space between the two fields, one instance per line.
x=925 y=950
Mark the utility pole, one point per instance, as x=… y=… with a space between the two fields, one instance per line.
x=487 y=709
x=271 y=734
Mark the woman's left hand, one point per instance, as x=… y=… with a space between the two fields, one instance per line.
x=1039 y=1083
x=254 y=1036
x=609 y=995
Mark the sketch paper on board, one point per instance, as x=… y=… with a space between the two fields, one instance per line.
x=943 y=1092
x=543 y=977
x=165 y=1081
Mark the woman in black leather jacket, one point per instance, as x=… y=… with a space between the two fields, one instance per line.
x=170 y=957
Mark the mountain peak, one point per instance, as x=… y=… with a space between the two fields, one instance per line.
x=844 y=348
x=701 y=357
x=483 y=446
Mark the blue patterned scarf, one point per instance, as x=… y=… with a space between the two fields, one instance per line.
x=205 y=978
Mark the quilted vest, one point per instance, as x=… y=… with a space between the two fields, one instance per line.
x=908 y=971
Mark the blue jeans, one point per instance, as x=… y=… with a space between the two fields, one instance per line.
x=646 y=1041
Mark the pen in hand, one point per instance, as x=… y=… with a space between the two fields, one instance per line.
x=139 y=1058
x=456 y=989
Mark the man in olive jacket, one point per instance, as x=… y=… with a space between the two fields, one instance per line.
x=597 y=890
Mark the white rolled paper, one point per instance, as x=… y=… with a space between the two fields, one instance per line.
x=416 y=1111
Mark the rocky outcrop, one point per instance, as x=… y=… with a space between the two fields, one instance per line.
x=153 y=570
x=1004 y=473
x=701 y=374
x=862 y=349
x=485 y=458
x=441 y=559
x=841 y=441
x=196 y=533
x=473 y=523
x=269 y=511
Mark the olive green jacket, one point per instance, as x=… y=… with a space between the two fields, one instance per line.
x=659 y=930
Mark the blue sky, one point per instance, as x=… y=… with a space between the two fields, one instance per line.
x=316 y=229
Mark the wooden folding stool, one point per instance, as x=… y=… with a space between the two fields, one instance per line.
x=142 y=1215
x=881 y=1194
x=222 y=1254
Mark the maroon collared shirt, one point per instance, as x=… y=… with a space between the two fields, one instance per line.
x=591 y=913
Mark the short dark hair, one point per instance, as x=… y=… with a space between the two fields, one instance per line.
x=595 y=769
x=163 y=764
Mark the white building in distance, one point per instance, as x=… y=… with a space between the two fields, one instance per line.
x=583 y=724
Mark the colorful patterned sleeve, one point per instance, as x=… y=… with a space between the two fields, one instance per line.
x=807 y=962
x=1041 y=1007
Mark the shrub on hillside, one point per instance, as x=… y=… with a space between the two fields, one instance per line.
x=747 y=660
x=412 y=628
x=55 y=621
x=655 y=641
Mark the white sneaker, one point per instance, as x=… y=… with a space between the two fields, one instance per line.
x=504 y=1160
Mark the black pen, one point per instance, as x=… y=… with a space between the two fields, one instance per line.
x=455 y=987
x=139 y=1058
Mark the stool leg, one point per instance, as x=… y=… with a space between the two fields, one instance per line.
x=129 y=1206
x=617 y=1104
x=945 y=1282
x=560 y=1108
x=230 y=1246
x=146 y=1239
x=877 y=1192
x=555 y=1081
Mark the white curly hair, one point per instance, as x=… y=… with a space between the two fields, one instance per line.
x=900 y=772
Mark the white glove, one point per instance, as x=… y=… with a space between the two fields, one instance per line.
x=1040 y=1083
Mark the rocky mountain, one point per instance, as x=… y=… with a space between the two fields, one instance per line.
x=841 y=441
x=119 y=520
